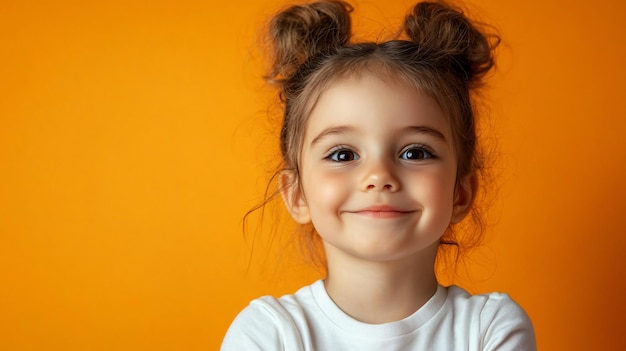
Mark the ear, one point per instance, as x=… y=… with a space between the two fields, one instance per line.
x=464 y=197
x=293 y=197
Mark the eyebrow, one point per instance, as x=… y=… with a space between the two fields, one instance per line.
x=429 y=131
x=343 y=129
x=330 y=131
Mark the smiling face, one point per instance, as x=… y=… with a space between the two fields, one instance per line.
x=377 y=171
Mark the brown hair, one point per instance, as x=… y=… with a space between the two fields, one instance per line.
x=439 y=51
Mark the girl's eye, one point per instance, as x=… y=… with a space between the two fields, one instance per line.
x=415 y=153
x=342 y=155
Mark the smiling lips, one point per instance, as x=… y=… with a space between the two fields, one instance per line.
x=382 y=212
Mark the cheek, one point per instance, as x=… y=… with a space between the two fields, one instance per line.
x=326 y=191
x=436 y=190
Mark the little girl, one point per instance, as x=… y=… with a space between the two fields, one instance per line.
x=380 y=155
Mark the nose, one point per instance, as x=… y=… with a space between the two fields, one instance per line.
x=380 y=176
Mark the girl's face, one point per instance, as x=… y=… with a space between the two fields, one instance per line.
x=377 y=171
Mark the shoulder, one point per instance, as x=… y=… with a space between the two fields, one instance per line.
x=503 y=323
x=485 y=304
x=268 y=323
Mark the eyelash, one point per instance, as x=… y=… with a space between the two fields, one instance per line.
x=336 y=150
x=427 y=153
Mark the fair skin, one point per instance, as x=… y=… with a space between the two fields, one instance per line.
x=378 y=182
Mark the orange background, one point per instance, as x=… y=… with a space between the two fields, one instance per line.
x=133 y=139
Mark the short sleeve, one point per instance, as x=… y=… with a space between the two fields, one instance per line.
x=508 y=327
x=262 y=325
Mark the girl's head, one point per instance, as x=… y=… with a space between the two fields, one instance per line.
x=439 y=54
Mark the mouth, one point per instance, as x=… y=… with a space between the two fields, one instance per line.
x=382 y=212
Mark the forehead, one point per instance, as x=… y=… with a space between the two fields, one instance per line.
x=370 y=102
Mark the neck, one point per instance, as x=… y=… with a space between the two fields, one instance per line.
x=381 y=292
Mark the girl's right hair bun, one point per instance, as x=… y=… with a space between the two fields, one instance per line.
x=445 y=34
x=303 y=31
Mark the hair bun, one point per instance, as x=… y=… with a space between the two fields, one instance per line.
x=303 y=31
x=445 y=34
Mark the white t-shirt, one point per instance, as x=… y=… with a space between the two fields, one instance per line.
x=451 y=320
